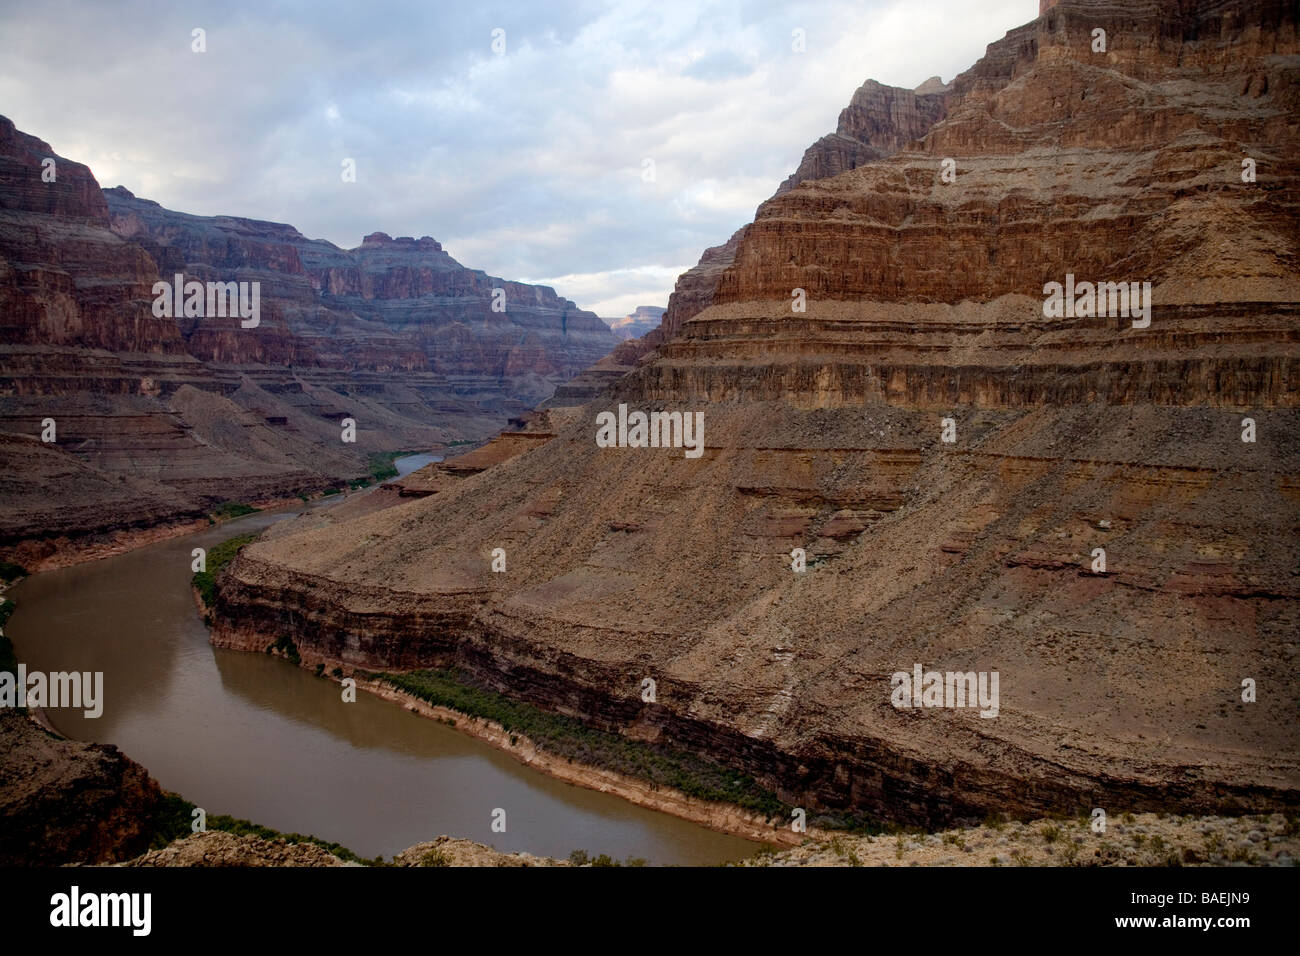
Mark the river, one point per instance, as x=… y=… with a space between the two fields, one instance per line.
x=259 y=738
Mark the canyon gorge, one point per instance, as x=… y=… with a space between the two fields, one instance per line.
x=909 y=463
x=883 y=390
x=159 y=420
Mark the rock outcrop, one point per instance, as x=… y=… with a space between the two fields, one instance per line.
x=1076 y=503
x=643 y=320
x=447 y=851
x=878 y=122
x=218 y=848
x=62 y=801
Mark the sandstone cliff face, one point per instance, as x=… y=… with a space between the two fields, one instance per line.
x=878 y=122
x=1121 y=685
x=65 y=279
x=158 y=419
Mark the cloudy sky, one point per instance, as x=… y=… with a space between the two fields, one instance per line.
x=530 y=164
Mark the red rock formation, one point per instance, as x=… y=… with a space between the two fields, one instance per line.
x=877 y=123
x=158 y=419
x=1120 y=688
x=641 y=321
x=65 y=279
x=388 y=305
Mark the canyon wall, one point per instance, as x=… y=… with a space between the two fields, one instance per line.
x=156 y=420
x=644 y=319
x=390 y=310
x=1101 y=511
x=878 y=122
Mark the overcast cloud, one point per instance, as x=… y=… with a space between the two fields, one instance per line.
x=527 y=165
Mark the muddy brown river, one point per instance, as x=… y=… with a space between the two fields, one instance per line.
x=256 y=737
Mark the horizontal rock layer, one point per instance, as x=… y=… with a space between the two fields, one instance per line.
x=158 y=419
x=1121 y=686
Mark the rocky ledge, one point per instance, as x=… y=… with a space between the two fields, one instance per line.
x=62 y=801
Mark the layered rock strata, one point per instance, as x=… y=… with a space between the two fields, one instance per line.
x=641 y=321
x=950 y=458
x=155 y=420
x=390 y=310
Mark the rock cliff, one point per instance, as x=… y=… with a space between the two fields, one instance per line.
x=950 y=457
x=390 y=309
x=158 y=419
x=641 y=321
x=62 y=801
x=878 y=122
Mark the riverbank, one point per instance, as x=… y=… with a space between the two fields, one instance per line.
x=774 y=827
x=267 y=734
x=114 y=813
x=724 y=818
x=721 y=817
x=49 y=554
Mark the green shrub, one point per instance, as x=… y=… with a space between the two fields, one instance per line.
x=285 y=645
x=381 y=465
x=205 y=582
x=583 y=858
x=233 y=509
x=173 y=818
x=570 y=738
x=435 y=857
x=11 y=572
